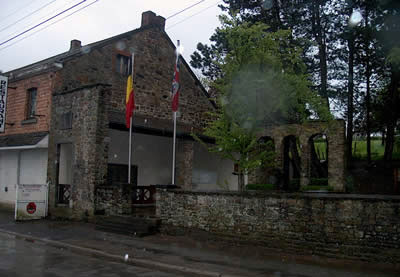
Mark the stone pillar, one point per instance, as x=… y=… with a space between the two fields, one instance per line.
x=184 y=164
x=88 y=135
x=336 y=158
x=305 y=161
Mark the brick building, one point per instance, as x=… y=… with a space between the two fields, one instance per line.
x=24 y=142
x=80 y=108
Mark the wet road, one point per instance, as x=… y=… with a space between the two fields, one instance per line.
x=19 y=258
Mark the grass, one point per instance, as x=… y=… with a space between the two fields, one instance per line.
x=360 y=149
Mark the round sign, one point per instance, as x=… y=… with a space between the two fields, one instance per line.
x=31 y=208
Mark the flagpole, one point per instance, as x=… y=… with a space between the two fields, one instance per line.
x=130 y=134
x=174 y=136
x=173 y=151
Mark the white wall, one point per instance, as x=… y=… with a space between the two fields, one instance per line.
x=210 y=172
x=65 y=166
x=151 y=154
x=33 y=166
x=33 y=170
x=8 y=175
x=153 y=157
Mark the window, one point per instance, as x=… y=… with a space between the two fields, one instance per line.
x=31 y=107
x=123 y=65
x=118 y=174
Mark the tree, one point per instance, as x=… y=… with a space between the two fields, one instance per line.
x=263 y=83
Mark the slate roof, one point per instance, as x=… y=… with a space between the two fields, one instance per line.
x=21 y=139
x=48 y=64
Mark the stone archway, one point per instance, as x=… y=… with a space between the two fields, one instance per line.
x=334 y=132
x=319 y=156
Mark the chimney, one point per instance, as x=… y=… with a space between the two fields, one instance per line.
x=75 y=45
x=151 y=19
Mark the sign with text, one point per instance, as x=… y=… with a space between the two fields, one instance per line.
x=31 y=202
x=3 y=101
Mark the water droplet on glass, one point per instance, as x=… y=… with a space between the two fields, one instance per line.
x=86 y=49
x=355 y=18
x=224 y=101
x=120 y=45
x=267 y=4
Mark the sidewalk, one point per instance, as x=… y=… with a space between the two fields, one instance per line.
x=183 y=256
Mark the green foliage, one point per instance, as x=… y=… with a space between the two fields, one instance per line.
x=263 y=82
x=260 y=187
x=264 y=78
x=319 y=182
x=237 y=144
x=377 y=149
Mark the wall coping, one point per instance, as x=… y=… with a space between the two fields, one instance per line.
x=311 y=195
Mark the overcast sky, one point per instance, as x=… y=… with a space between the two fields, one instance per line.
x=103 y=19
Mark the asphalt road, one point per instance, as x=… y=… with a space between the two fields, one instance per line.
x=19 y=258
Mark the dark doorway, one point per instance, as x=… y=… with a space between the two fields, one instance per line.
x=291 y=163
x=318 y=145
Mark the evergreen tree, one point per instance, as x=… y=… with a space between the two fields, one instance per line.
x=263 y=83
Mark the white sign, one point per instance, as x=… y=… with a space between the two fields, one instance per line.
x=31 y=202
x=3 y=101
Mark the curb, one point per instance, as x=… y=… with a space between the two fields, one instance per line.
x=116 y=258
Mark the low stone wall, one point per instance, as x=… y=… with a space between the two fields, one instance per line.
x=347 y=226
x=113 y=200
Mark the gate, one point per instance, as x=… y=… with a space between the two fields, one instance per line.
x=31 y=201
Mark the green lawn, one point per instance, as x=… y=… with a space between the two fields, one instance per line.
x=360 y=149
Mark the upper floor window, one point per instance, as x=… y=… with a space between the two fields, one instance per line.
x=31 y=106
x=123 y=65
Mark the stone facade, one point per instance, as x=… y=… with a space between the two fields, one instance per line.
x=154 y=64
x=184 y=163
x=335 y=134
x=90 y=88
x=333 y=225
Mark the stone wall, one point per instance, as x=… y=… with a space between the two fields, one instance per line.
x=88 y=134
x=333 y=225
x=113 y=200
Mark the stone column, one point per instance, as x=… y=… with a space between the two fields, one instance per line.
x=336 y=157
x=184 y=164
x=88 y=135
x=305 y=161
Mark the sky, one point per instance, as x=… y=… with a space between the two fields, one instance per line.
x=102 y=19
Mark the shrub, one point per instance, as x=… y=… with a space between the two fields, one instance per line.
x=318 y=181
x=294 y=184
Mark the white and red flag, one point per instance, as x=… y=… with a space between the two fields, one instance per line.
x=176 y=85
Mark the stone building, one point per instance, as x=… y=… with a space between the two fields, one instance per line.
x=87 y=158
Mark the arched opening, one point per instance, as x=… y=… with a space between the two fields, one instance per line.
x=318 y=145
x=267 y=172
x=291 y=163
